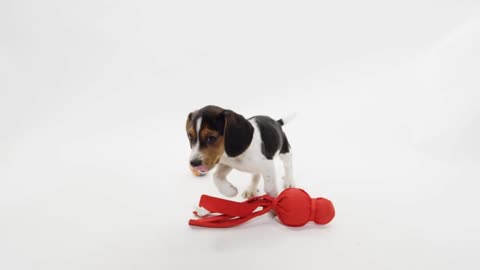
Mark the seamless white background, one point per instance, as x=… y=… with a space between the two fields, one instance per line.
x=93 y=152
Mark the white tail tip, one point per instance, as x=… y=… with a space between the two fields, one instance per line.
x=288 y=118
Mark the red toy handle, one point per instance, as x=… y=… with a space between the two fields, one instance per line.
x=230 y=213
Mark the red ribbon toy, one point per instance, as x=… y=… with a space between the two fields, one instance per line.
x=294 y=207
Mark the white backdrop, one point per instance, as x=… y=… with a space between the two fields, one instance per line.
x=93 y=152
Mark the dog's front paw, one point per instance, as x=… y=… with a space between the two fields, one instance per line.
x=228 y=190
x=247 y=194
x=288 y=183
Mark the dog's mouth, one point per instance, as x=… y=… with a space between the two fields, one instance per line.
x=204 y=168
x=201 y=169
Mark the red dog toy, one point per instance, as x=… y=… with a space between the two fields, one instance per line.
x=293 y=206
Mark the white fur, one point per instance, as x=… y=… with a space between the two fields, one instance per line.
x=287 y=166
x=254 y=162
x=289 y=118
x=196 y=154
x=220 y=180
x=201 y=212
x=252 y=190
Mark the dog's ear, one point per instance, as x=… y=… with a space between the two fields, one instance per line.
x=189 y=119
x=238 y=133
x=192 y=116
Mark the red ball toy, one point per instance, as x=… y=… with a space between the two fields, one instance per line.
x=294 y=207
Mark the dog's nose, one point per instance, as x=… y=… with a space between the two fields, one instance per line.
x=195 y=162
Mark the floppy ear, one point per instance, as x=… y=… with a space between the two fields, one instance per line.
x=189 y=118
x=238 y=133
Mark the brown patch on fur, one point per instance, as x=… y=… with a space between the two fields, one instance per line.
x=189 y=128
x=213 y=152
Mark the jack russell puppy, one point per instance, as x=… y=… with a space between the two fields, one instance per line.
x=223 y=138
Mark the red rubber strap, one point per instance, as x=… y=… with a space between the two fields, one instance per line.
x=225 y=213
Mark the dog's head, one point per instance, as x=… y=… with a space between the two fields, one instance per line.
x=212 y=132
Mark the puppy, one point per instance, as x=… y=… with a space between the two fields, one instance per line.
x=225 y=139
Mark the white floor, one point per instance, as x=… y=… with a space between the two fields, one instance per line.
x=93 y=152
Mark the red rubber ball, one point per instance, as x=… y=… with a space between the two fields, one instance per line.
x=295 y=207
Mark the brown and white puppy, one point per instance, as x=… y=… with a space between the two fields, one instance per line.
x=225 y=139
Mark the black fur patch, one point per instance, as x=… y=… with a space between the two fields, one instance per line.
x=285 y=146
x=273 y=137
x=238 y=133
x=214 y=120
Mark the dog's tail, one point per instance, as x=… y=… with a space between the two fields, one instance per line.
x=286 y=119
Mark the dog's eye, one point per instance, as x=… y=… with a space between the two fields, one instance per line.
x=211 y=139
